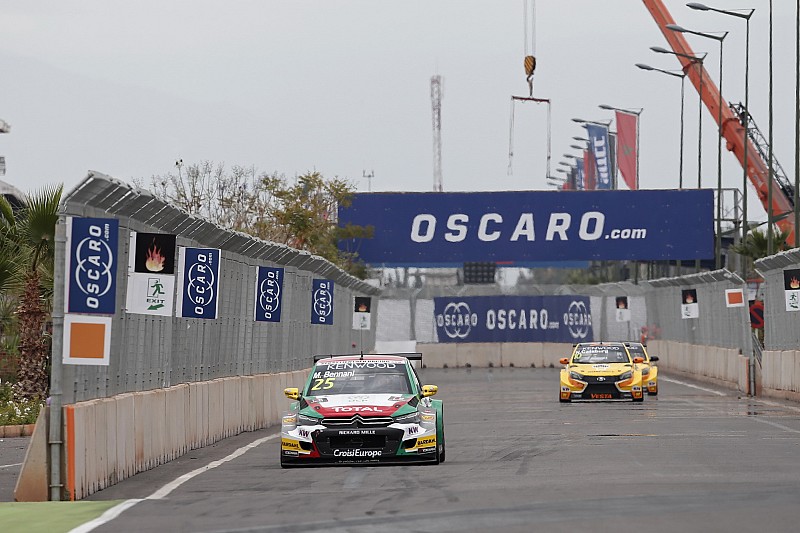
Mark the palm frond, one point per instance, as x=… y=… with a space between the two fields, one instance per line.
x=38 y=222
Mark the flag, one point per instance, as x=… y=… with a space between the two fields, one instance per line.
x=627 y=124
x=612 y=155
x=580 y=181
x=589 y=174
x=600 y=148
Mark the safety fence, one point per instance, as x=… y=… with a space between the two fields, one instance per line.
x=781 y=355
x=656 y=306
x=152 y=351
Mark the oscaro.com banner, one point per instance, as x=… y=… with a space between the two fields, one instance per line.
x=522 y=226
x=513 y=319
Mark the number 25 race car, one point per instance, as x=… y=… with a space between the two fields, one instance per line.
x=363 y=409
x=601 y=371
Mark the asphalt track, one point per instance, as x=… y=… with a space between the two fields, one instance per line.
x=695 y=458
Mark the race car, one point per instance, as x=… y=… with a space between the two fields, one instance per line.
x=363 y=409
x=601 y=371
x=649 y=370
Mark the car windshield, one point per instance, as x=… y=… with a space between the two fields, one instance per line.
x=359 y=376
x=607 y=353
x=637 y=350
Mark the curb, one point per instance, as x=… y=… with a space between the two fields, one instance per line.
x=22 y=430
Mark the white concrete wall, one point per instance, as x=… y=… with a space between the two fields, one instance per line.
x=494 y=354
x=111 y=439
x=780 y=374
x=722 y=366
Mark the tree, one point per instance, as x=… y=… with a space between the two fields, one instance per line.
x=301 y=213
x=756 y=244
x=33 y=239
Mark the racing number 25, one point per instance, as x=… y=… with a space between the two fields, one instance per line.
x=320 y=383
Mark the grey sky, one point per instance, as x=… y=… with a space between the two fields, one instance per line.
x=343 y=86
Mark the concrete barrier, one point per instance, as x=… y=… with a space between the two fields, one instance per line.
x=781 y=374
x=721 y=366
x=114 y=438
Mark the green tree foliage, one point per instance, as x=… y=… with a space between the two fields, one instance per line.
x=756 y=244
x=299 y=212
x=27 y=240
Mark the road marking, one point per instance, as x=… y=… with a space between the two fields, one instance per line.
x=670 y=380
x=164 y=491
x=9 y=466
x=775 y=404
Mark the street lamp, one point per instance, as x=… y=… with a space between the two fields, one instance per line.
x=720 y=39
x=584 y=139
x=699 y=60
x=744 y=14
x=598 y=122
x=682 y=76
x=635 y=112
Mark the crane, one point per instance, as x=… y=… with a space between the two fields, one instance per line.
x=758 y=168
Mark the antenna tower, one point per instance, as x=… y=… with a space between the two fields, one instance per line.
x=436 y=104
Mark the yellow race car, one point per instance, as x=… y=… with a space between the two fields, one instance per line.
x=649 y=370
x=601 y=371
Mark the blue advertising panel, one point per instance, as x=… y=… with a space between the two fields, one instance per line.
x=269 y=294
x=200 y=287
x=601 y=149
x=518 y=226
x=92 y=265
x=513 y=319
x=322 y=302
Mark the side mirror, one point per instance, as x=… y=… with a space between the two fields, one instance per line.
x=564 y=360
x=429 y=390
x=653 y=358
x=293 y=393
x=638 y=360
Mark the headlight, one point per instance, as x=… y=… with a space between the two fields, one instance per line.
x=303 y=420
x=623 y=377
x=411 y=418
x=575 y=375
x=646 y=371
x=289 y=420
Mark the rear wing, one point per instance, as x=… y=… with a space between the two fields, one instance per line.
x=416 y=356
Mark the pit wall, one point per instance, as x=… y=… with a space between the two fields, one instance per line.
x=780 y=374
x=111 y=439
x=712 y=364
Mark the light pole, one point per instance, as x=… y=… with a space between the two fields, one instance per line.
x=682 y=76
x=743 y=14
x=720 y=39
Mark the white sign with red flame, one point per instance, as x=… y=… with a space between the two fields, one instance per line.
x=151 y=274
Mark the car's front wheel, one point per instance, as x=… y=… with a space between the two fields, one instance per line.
x=653 y=392
x=440 y=449
x=641 y=399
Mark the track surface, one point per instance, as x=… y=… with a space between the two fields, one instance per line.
x=693 y=459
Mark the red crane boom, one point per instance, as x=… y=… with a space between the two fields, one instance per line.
x=732 y=128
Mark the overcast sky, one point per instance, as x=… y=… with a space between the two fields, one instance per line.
x=343 y=86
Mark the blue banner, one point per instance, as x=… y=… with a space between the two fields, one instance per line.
x=322 y=302
x=600 y=147
x=92 y=265
x=580 y=181
x=269 y=294
x=513 y=319
x=518 y=226
x=200 y=288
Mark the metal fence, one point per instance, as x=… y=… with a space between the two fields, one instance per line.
x=406 y=314
x=781 y=327
x=150 y=352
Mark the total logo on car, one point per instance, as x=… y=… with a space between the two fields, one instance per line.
x=363 y=409
x=601 y=371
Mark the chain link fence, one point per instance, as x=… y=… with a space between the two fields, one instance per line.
x=781 y=326
x=151 y=352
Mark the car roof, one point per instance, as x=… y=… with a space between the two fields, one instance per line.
x=365 y=357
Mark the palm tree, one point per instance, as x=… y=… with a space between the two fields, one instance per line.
x=34 y=241
x=756 y=244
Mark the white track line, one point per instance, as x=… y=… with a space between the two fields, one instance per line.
x=164 y=491
x=9 y=466
x=670 y=380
